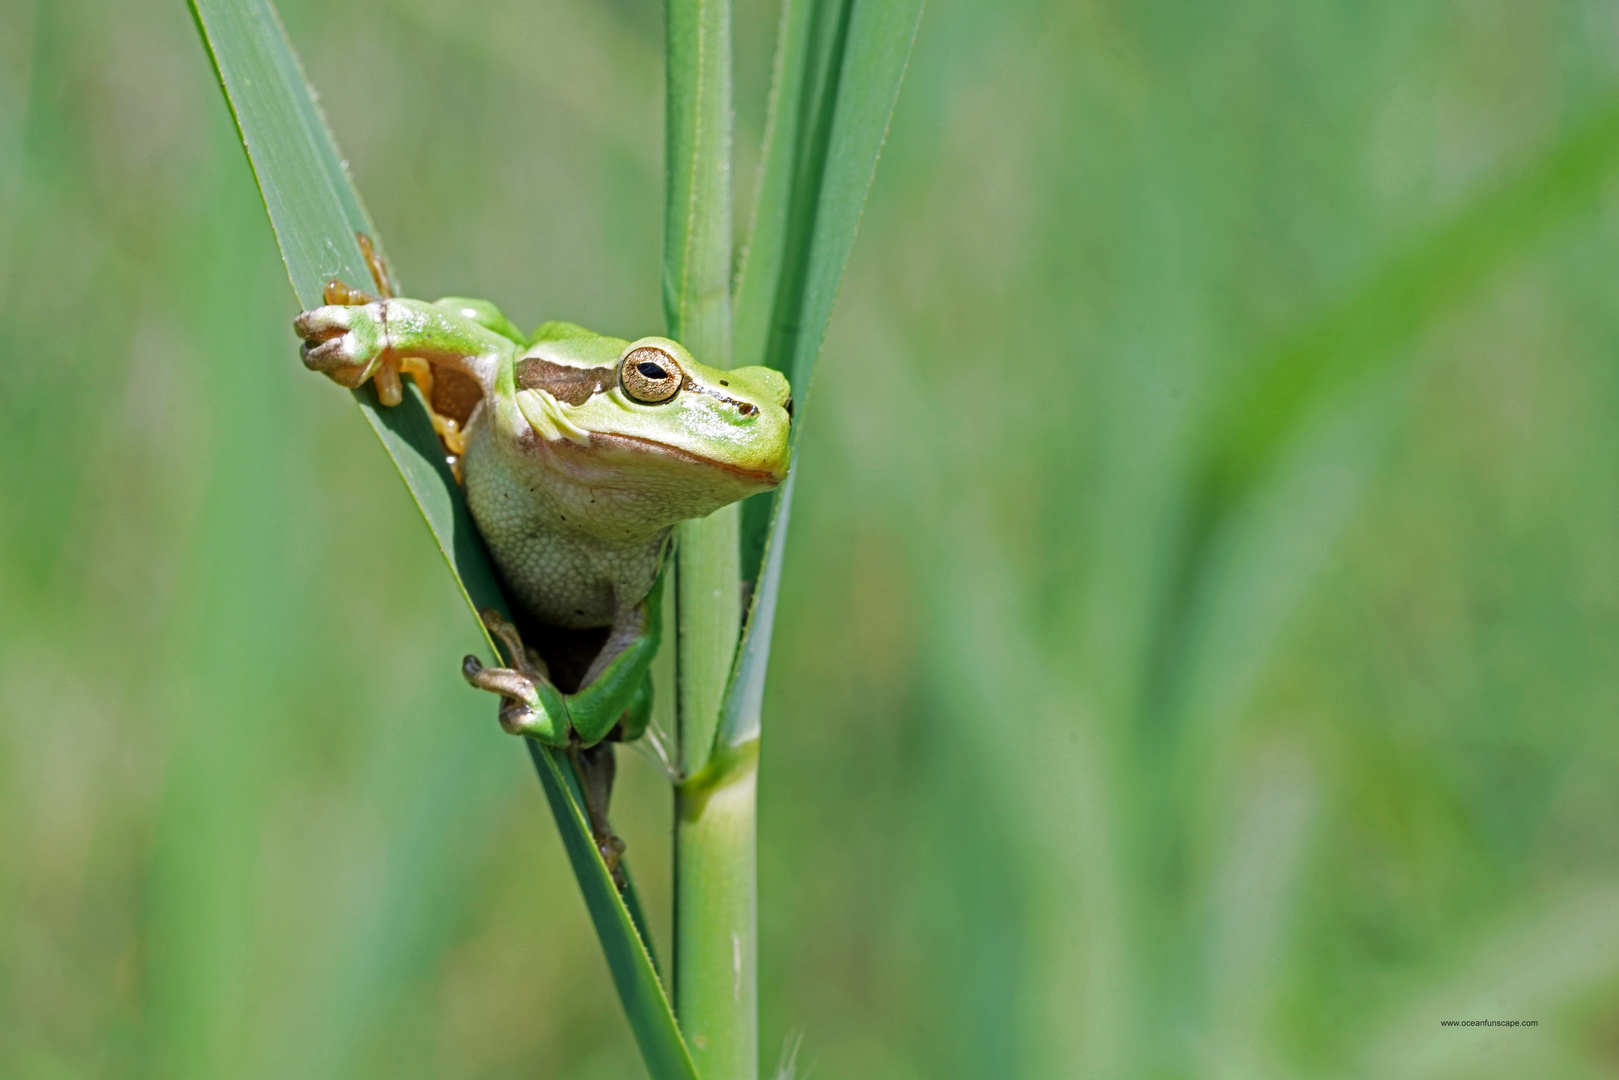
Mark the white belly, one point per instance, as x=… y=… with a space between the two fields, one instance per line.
x=559 y=572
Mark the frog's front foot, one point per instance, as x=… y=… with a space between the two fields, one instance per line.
x=529 y=704
x=342 y=342
x=519 y=696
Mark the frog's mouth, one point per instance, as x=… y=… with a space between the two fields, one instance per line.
x=635 y=444
x=620 y=447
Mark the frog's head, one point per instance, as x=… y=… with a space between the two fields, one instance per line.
x=645 y=416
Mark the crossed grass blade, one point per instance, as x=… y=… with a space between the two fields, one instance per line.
x=838 y=72
x=316 y=213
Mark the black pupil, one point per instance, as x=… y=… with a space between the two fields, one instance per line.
x=651 y=370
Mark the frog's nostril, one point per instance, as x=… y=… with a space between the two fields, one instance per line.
x=747 y=408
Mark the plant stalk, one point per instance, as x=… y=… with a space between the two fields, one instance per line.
x=716 y=915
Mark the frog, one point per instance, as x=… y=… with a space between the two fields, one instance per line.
x=582 y=455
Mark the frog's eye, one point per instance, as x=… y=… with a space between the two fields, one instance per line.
x=650 y=375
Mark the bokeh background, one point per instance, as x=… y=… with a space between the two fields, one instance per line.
x=1197 y=655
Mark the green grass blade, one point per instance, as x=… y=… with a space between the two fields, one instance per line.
x=798 y=60
x=315 y=212
x=635 y=976
x=838 y=72
x=744 y=699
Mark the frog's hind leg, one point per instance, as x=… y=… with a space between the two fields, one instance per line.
x=596 y=767
x=617 y=695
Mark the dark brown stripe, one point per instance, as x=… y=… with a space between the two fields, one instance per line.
x=568 y=384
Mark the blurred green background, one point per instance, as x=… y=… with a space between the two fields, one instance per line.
x=1199 y=651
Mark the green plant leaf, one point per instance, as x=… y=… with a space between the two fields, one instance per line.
x=316 y=212
x=744 y=698
x=837 y=76
x=838 y=71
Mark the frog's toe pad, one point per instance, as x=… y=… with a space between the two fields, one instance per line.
x=343 y=343
x=336 y=356
x=518 y=719
x=319 y=324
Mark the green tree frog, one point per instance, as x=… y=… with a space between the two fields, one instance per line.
x=581 y=456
